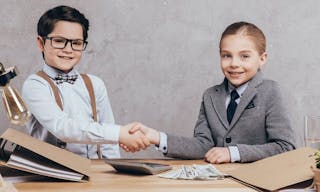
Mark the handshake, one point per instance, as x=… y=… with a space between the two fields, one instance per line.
x=136 y=136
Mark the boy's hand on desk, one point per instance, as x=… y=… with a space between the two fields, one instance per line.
x=152 y=134
x=132 y=142
x=218 y=155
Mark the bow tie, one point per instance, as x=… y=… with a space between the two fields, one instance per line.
x=60 y=78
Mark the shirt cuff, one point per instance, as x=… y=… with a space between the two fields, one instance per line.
x=163 y=147
x=112 y=132
x=234 y=154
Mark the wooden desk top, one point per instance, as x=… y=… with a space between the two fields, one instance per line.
x=105 y=178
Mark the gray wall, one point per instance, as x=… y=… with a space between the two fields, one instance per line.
x=158 y=56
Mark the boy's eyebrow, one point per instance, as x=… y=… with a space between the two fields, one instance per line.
x=65 y=37
x=242 y=51
x=245 y=51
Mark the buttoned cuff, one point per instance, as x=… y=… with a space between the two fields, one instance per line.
x=234 y=154
x=163 y=144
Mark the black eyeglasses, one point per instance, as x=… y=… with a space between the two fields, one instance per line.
x=61 y=43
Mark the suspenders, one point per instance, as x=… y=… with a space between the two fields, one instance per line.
x=89 y=87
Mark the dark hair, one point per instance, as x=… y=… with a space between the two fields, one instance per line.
x=61 y=13
x=247 y=29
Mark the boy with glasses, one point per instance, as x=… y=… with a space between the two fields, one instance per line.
x=72 y=110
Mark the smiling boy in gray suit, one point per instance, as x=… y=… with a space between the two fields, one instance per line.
x=241 y=120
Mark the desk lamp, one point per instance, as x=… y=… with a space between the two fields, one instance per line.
x=17 y=111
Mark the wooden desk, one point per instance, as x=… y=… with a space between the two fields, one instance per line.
x=105 y=178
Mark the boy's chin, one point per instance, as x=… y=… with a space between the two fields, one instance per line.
x=63 y=69
x=237 y=83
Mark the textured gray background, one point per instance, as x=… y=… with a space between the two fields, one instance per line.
x=158 y=56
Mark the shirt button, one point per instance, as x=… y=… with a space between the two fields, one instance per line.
x=228 y=140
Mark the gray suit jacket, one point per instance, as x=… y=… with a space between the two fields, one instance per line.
x=260 y=126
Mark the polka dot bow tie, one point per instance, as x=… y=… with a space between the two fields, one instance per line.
x=60 y=78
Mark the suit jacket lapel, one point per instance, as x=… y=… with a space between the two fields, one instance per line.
x=247 y=96
x=219 y=102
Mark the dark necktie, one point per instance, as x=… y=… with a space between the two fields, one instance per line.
x=60 y=78
x=232 y=105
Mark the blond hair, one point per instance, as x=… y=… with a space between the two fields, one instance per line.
x=247 y=29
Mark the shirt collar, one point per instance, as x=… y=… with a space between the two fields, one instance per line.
x=52 y=72
x=239 y=89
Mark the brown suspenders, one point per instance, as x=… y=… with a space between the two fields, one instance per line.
x=53 y=87
x=89 y=87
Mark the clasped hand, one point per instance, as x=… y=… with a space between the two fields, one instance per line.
x=136 y=136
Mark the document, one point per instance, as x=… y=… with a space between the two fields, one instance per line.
x=17 y=176
x=42 y=166
x=32 y=159
x=278 y=171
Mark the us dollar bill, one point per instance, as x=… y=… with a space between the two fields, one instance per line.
x=194 y=172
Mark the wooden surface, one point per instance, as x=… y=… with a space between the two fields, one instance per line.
x=105 y=178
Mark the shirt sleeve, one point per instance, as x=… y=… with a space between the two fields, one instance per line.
x=40 y=100
x=163 y=146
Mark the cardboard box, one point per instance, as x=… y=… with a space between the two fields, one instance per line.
x=278 y=171
x=16 y=144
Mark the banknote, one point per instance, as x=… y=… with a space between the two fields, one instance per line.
x=194 y=172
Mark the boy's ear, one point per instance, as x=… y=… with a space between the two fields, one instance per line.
x=40 y=43
x=263 y=59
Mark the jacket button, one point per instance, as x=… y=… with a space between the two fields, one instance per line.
x=228 y=140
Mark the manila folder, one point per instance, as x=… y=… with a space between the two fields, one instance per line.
x=49 y=152
x=278 y=171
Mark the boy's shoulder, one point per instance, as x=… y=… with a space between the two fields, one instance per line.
x=213 y=89
x=94 y=79
x=269 y=84
x=260 y=81
x=33 y=81
x=34 y=77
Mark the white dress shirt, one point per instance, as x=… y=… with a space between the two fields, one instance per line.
x=74 y=125
x=234 y=151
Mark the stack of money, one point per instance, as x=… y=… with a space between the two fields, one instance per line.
x=194 y=172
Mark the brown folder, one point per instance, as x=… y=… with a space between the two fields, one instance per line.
x=48 y=160
x=278 y=171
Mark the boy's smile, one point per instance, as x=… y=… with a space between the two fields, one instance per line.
x=65 y=57
x=239 y=58
x=62 y=59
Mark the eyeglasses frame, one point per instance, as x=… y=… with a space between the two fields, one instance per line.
x=85 y=43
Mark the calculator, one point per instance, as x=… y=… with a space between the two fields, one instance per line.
x=134 y=167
